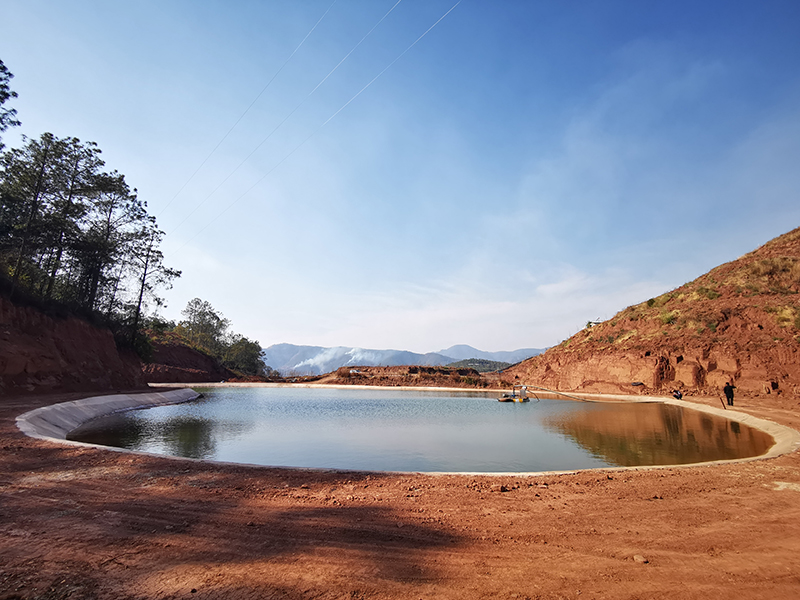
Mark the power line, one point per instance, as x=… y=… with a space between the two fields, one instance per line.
x=414 y=43
x=286 y=118
x=301 y=144
x=264 y=89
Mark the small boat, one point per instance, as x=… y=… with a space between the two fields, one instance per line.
x=518 y=394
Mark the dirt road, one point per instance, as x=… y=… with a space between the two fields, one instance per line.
x=88 y=523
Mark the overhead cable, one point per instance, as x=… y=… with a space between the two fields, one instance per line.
x=264 y=89
x=286 y=118
x=301 y=144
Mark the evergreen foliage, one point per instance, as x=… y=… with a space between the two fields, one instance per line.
x=205 y=328
x=7 y=115
x=76 y=239
x=74 y=235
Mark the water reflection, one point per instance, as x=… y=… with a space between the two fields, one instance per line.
x=190 y=437
x=386 y=430
x=657 y=434
x=177 y=431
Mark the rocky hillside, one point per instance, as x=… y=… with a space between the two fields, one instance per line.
x=42 y=353
x=739 y=322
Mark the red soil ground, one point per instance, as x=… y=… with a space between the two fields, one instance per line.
x=78 y=522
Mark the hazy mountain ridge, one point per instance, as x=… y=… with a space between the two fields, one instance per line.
x=314 y=360
x=463 y=352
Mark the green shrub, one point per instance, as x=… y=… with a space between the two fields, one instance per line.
x=708 y=293
x=668 y=317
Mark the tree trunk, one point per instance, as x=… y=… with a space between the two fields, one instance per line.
x=137 y=314
x=31 y=217
x=64 y=216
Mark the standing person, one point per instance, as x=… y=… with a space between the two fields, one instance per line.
x=728 y=391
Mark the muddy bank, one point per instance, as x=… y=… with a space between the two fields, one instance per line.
x=89 y=523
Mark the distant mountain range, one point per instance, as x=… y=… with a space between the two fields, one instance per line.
x=315 y=360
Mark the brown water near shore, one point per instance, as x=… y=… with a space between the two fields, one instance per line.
x=90 y=523
x=665 y=434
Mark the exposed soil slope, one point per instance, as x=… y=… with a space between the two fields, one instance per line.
x=40 y=353
x=740 y=322
x=178 y=363
x=416 y=376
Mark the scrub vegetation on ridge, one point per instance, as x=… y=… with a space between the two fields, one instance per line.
x=479 y=364
x=739 y=322
x=205 y=330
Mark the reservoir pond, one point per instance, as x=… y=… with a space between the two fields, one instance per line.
x=385 y=430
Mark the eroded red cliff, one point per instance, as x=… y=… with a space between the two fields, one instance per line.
x=42 y=354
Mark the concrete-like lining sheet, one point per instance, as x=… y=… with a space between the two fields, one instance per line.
x=56 y=421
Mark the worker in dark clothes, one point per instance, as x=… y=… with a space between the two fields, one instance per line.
x=728 y=391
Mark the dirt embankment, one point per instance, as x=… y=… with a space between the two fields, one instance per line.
x=740 y=322
x=415 y=376
x=41 y=354
x=80 y=522
x=176 y=363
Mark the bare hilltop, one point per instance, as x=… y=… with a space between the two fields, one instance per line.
x=740 y=322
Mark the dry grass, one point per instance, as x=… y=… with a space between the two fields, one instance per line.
x=787 y=316
x=777 y=273
x=668 y=317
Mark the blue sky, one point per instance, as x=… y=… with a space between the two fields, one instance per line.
x=521 y=169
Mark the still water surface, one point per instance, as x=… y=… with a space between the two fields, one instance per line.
x=386 y=430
